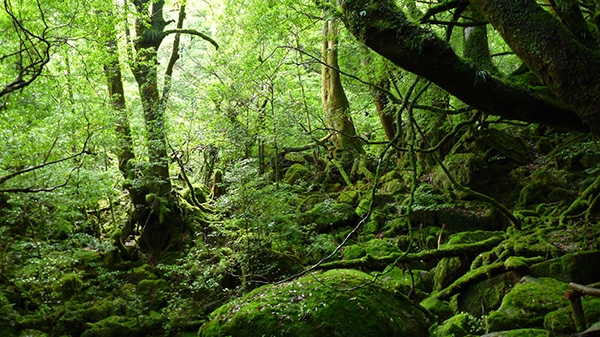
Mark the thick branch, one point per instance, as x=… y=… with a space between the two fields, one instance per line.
x=192 y=32
x=383 y=27
x=549 y=49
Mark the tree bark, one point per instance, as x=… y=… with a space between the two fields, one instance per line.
x=548 y=48
x=335 y=103
x=383 y=27
x=156 y=213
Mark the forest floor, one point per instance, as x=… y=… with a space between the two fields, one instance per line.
x=432 y=249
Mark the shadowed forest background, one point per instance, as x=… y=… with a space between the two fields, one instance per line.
x=299 y=168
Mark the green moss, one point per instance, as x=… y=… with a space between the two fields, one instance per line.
x=484 y=296
x=143 y=272
x=520 y=333
x=334 y=303
x=457 y=326
x=438 y=307
x=296 y=172
x=347 y=197
x=112 y=326
x=69 y=285
x=329 y=215
x=29 y=333
x=527 y=303
x=469 y=169
x=580 y=267
x=560 y=322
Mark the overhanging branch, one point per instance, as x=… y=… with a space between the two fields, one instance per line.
x=383 y=27
x=192 y=32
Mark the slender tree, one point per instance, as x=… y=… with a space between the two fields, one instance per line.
x=335 y=103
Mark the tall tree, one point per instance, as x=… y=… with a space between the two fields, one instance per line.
x=335 y=103
x=157 y=212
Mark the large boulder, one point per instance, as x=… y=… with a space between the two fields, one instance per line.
x=526 y=305
x=334 y=303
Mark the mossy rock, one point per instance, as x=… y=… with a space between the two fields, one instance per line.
x=75 y=321
x=580 y=267
x=296 y=172
x=460 y=217
x=69 y=285
x=519 y=333
x=348 y=197
x=536 y=193
x=393 y=187
x=448 y=270
x=335 y=303
x=482 y=297
x=330 y=215
x=117 y=326
x=29 y=333
x=501 y=148
x=441 y=309
x=113 y=326
x=200 y=191
x=154 y=292
x=354 y=252
x=400 y=280
x=391 y=176
x=469 y=169
x=527 y=303
x=381 y=247
x=561 y=322
x=460 y=325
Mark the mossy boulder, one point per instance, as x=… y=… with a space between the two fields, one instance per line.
x=500 y=148
x=143 y=272
x=112 y=326
x=561 y=322
x=482 y=297
x=526 y=305
x=579 y=267
x=441 y=309
x=330 y=215
x=75 y=321
x=154 y=292
x=348 y=197
x=296 y=172
x=457 y=326
x=403 y=280
x=335 y=303
x=69 y=285
x=469 y=169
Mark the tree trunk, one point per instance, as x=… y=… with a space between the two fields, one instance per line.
x=548 y=48
x=335 y=104
x=386 y=116
x=157 y=214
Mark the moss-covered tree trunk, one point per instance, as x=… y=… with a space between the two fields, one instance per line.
x=476 y=47
x=552 y=51
x=335 y=104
